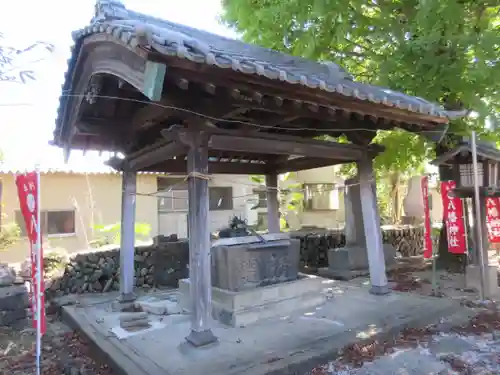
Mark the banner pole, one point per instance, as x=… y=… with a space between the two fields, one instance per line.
x=434 y=255
x=465 y=210
x=434 y=269
x=480 y=245
x=38 y=276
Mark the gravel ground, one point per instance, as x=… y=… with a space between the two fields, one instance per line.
x=63 y=351
x=471 y=349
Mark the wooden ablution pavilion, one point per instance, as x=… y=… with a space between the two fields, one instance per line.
x=178 y=100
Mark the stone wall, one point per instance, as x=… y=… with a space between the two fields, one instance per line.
x=407 y=240
x=13 y=297
x=99 y=271
x=164 y=263
x=13 y=304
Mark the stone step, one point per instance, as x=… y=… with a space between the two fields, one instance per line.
x=135 y=323
x=129 y=317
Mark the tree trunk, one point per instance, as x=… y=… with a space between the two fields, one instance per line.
x=394 y=194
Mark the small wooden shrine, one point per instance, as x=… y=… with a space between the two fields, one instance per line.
x=175 y=99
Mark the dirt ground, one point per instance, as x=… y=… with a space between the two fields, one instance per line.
x=63 y=351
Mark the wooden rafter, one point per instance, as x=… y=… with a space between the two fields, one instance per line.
x=231 y=79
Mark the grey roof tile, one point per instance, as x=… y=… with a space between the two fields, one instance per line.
x=483 y=150
x=173 y=39
x=104 y=170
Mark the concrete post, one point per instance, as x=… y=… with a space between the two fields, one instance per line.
x=373 y=234
x=273 y=210
x=127 y=239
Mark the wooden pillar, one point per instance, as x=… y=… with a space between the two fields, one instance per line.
x=475 y=259
x=371 y=222
x=484 y=229
x=199 y=241
x=127 y=237
x=273 y=210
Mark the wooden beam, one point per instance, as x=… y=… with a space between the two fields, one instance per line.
x=301 y=164
x=274 y=144
x=180 y=166
x=182 y=106
x=277 y=146
x=145 y=116
x=246 y=101
x=278 y=137
x=154 y=154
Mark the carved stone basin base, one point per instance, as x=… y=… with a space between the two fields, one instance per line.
x=249 y=306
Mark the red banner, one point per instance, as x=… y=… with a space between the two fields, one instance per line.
x=454 y=219
x=493 y=219
x=27 y=190
x=427 y=218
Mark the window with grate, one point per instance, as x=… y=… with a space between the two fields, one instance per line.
x=53 y=222
x=261 y=199
x=172 y=194
x=467 y=175
x=220 y=198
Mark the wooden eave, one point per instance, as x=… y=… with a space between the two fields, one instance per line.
x=254 y=87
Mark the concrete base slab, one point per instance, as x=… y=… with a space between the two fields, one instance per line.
x=473 y=280
x=354 y=257
x=347 y=274
x=249 y=306
x=283 y=345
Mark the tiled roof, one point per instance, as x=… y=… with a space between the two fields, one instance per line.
x=113 y=19
x=6 y=169
x=483 y=150
x=79 y=163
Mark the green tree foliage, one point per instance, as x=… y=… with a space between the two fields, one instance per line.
x=9 y=235
x=9 y=232
x=290 y=197
x=446 y=51
x=111 y=234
